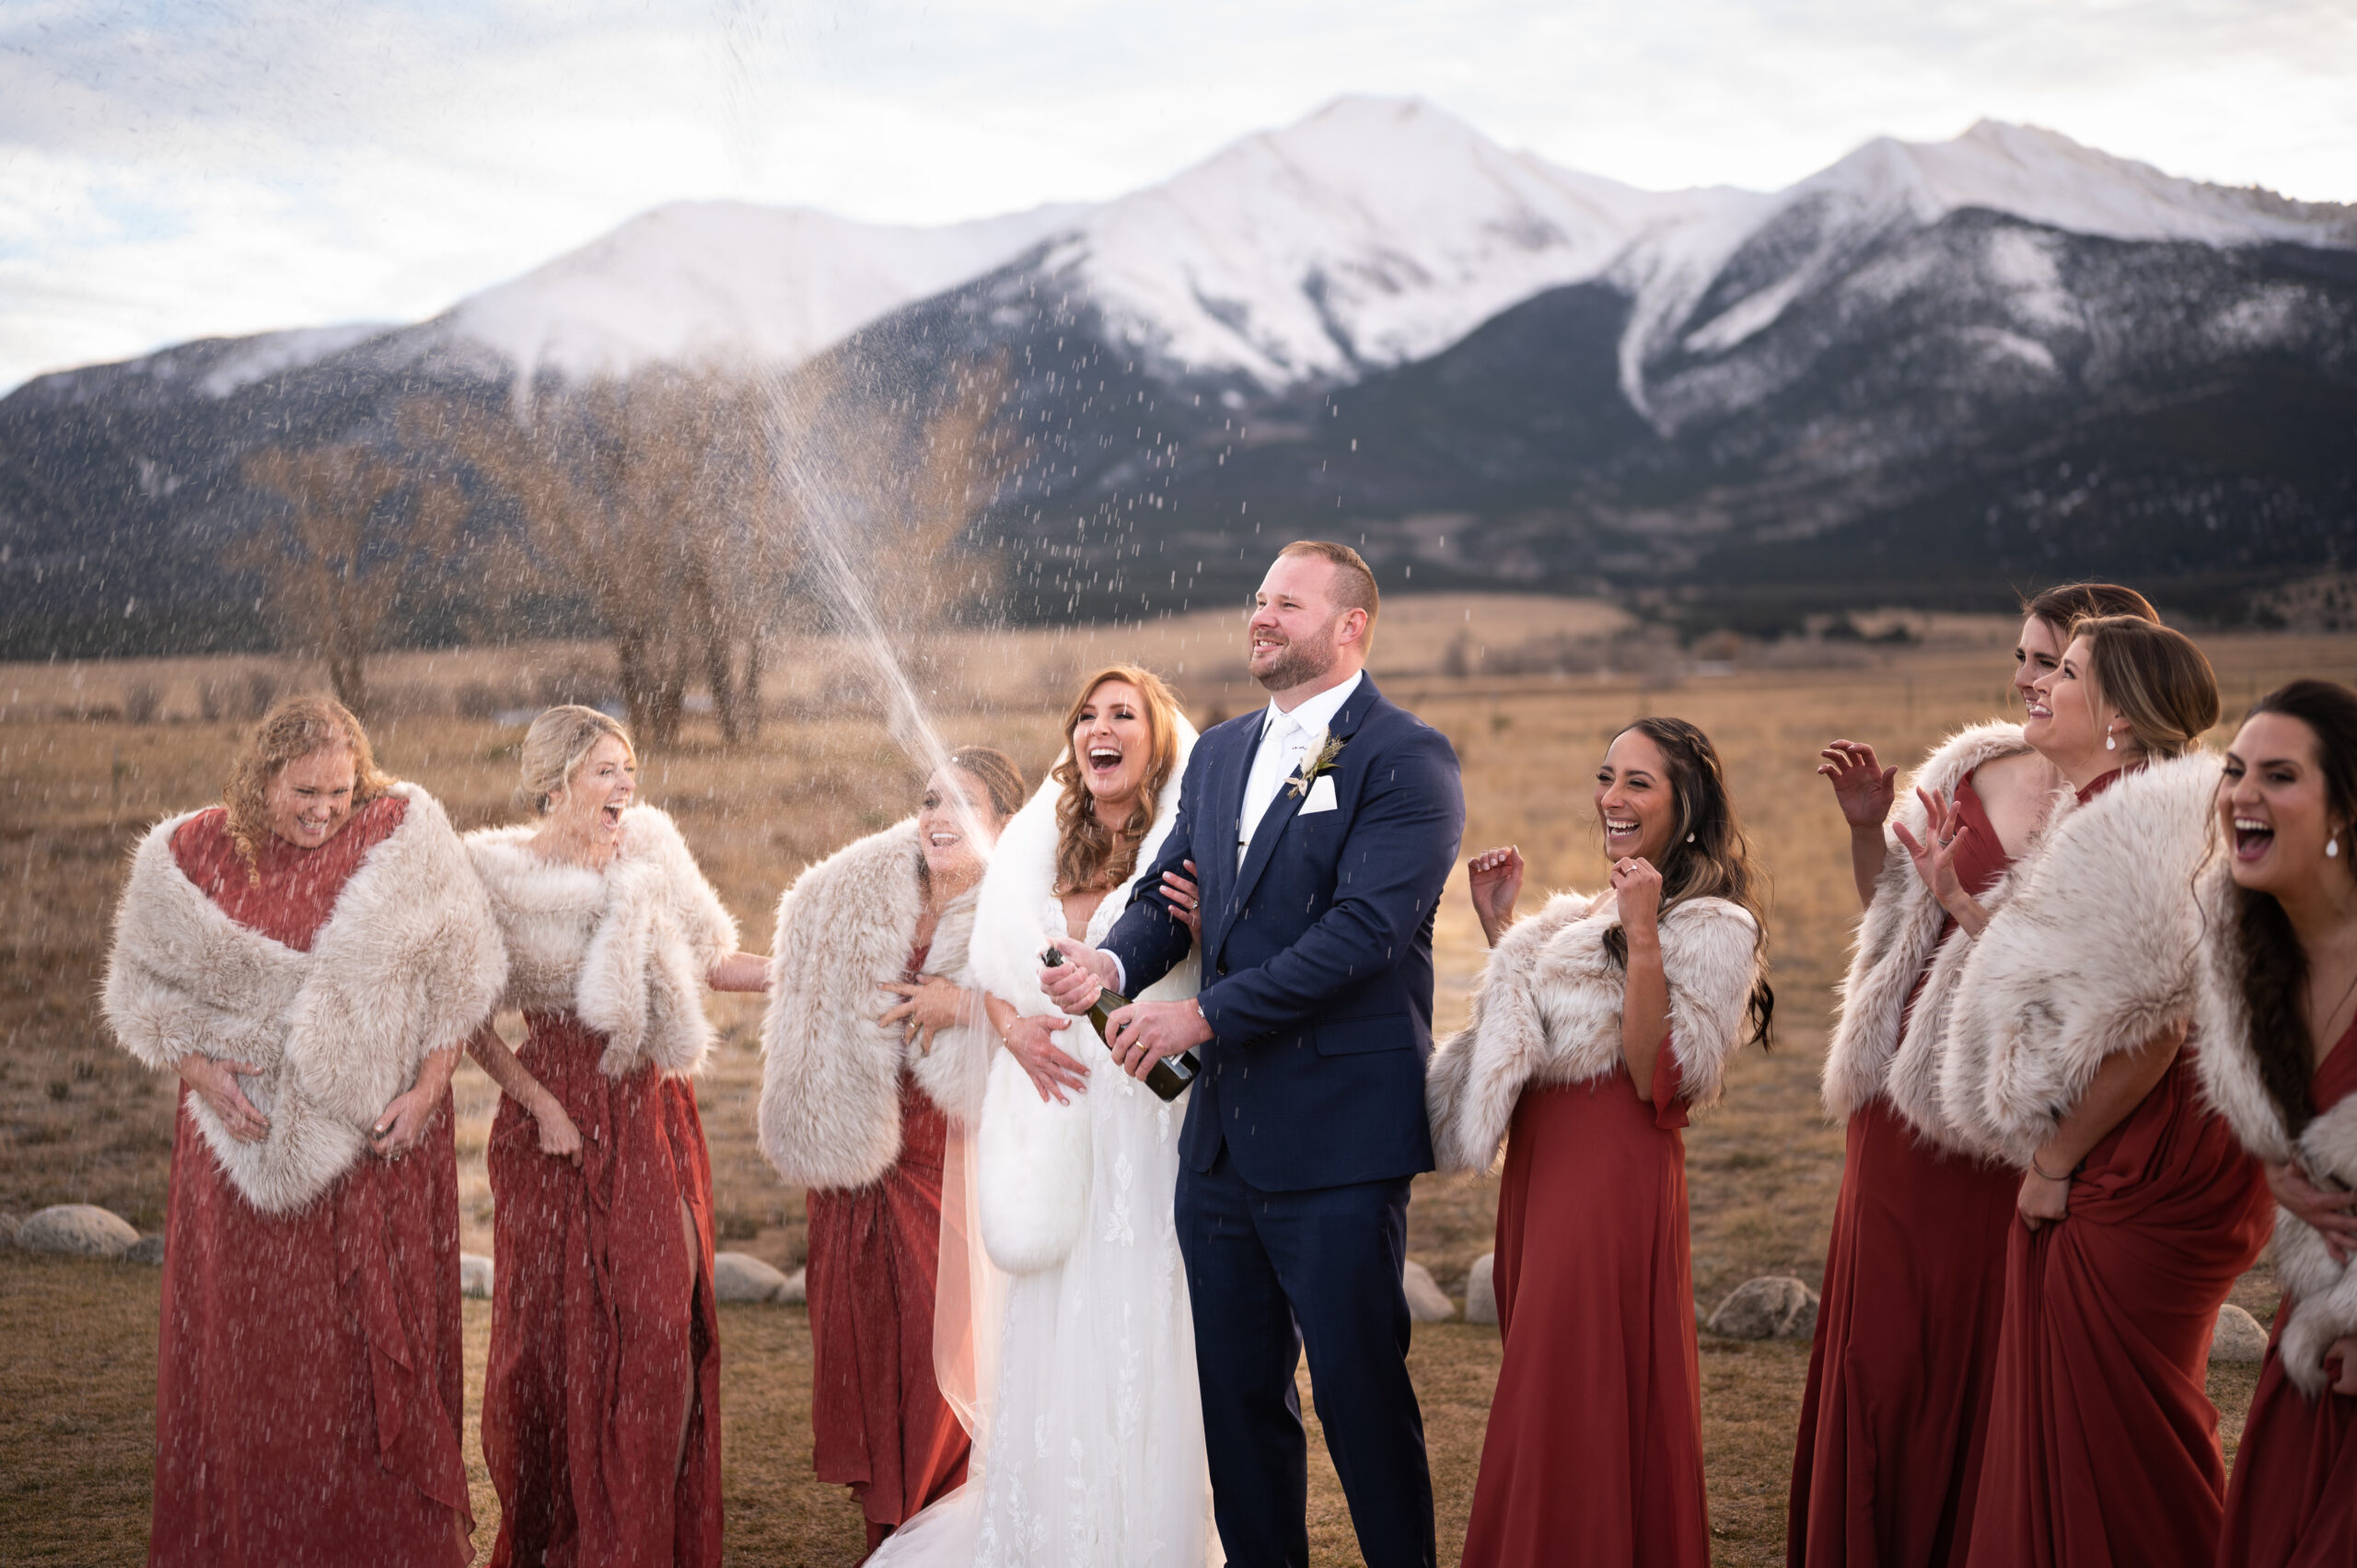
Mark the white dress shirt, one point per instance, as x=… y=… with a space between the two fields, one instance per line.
x=1285 y=741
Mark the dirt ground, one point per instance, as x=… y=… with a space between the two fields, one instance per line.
x=1527 y=690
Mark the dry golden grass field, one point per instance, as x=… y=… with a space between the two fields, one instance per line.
x=1527 y=688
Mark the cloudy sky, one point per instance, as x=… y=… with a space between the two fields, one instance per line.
x=184 y=168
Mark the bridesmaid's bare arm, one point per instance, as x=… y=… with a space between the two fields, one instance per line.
x=2119 y=1087
x=740 y=972
x=558 y=1135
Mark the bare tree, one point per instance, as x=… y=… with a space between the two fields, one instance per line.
x=355 y=538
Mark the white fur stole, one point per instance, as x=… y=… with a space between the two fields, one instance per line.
x=408 y=963
x=1899 y=932
x=629 y=950
x=829 y=1112
x=1548 y=1010
x=1034 y=1155
x=2096 y=953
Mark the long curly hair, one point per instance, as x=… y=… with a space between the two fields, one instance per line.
x=2265 y=950
x=1709 y=857
x=289 y=732
x=1088 y=854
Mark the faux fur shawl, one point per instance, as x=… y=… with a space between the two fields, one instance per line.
x=830 y=1075
x=1899 y=933
x=409 y=962
x=629 y=950
x=1034 y=1155
x=2324 y=1294
x=1548 y=1010
x=2096 y=952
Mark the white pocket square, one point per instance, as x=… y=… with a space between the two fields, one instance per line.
x=1321 y=796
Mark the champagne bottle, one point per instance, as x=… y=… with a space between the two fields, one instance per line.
x=1167 y=1077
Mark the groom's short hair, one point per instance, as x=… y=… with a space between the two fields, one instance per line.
x=1353 y=579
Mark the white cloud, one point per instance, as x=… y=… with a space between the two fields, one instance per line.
x=192 y=168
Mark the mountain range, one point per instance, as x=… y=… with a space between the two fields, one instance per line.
x=1928 y=373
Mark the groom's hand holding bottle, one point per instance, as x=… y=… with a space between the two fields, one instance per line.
x=1141 y=1033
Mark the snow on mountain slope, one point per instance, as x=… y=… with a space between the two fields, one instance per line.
x=1374 y=232
x=716 y=282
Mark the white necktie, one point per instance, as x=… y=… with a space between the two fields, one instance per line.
x=1280 y=751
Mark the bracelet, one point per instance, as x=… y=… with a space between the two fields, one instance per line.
x=2038 y=1170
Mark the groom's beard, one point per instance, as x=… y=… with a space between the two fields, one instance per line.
x=1298 y=663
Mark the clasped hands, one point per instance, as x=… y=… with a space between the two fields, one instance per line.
x=1138 y=1035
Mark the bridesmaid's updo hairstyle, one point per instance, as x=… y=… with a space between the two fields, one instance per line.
x=554 y=748
x=1089 y=854
x=996 y=773
x=288 y=732
x=2066 y=604
x=2155 y=678
x=1708 y=856
x=2265 y=950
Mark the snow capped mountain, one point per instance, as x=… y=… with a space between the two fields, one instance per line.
x=726 y=282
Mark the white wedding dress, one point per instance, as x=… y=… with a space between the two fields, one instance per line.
x=1088 y=1420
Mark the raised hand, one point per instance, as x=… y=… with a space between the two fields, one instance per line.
x=1864 y=789
x=1032 y=1041
x=1494 y=879
x=1934 y=857
x=1636 y=895
x=215 y=1083
x=1186 y=903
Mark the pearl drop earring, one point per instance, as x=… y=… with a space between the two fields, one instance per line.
x=2332 y=847
x=2110 y=742
x=1690 y=838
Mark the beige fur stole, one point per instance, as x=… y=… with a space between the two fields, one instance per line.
x=408 y=963
x=829 y=1112
x=1548 y=1010
x=2096 y=953
x=629 y=950
x=1899 y=932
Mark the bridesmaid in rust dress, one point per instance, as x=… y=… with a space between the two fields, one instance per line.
x=309 y=958
x=862 y=1073
x=2279 y=1028
x=1599 y=1023
x=1889 y=1455
x=602 y=1400
x=2067 y=1055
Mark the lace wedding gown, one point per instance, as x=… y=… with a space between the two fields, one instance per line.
x=1090 y=1448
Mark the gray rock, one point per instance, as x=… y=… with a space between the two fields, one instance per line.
x=1482 y=1290
x=147 y=1250
x=83 y=1229
x=474 y=1275
x=2238 y=1338
x=740 y=1276
x=1773 y=1307
x=797 y=1288
x=1427 y=1303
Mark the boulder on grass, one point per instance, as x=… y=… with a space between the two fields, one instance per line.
x=84 y=1230
x=1773 y=1307
x=474 y=1275
x=797 y=1288
x=147 y=1250
x=1482 y=1290
x=740 y=1276
x=2238 y=1338
x=1427 y=1303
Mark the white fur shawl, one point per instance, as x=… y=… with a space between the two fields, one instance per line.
x=629 y=950
x=830 y=1076
x=2323 y=1292
x=1900 y=934
x=1034 y=1155
x=2096 y=953
x=409 y=962
x=1548 y=1010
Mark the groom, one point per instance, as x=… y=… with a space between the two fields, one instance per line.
x=1318 y=833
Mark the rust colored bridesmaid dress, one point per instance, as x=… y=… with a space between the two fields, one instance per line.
x=602 y=1312
x=1594 y=1454
x=1889 y=1458
x=2103 y=1446
x=308 y=1390
x=2293 y=1500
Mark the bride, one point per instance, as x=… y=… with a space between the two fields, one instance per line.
x=1088 y=1431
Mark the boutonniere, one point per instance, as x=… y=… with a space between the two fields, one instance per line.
x=1323 y=749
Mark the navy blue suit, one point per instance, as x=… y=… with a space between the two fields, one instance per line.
x=1308 y=1121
